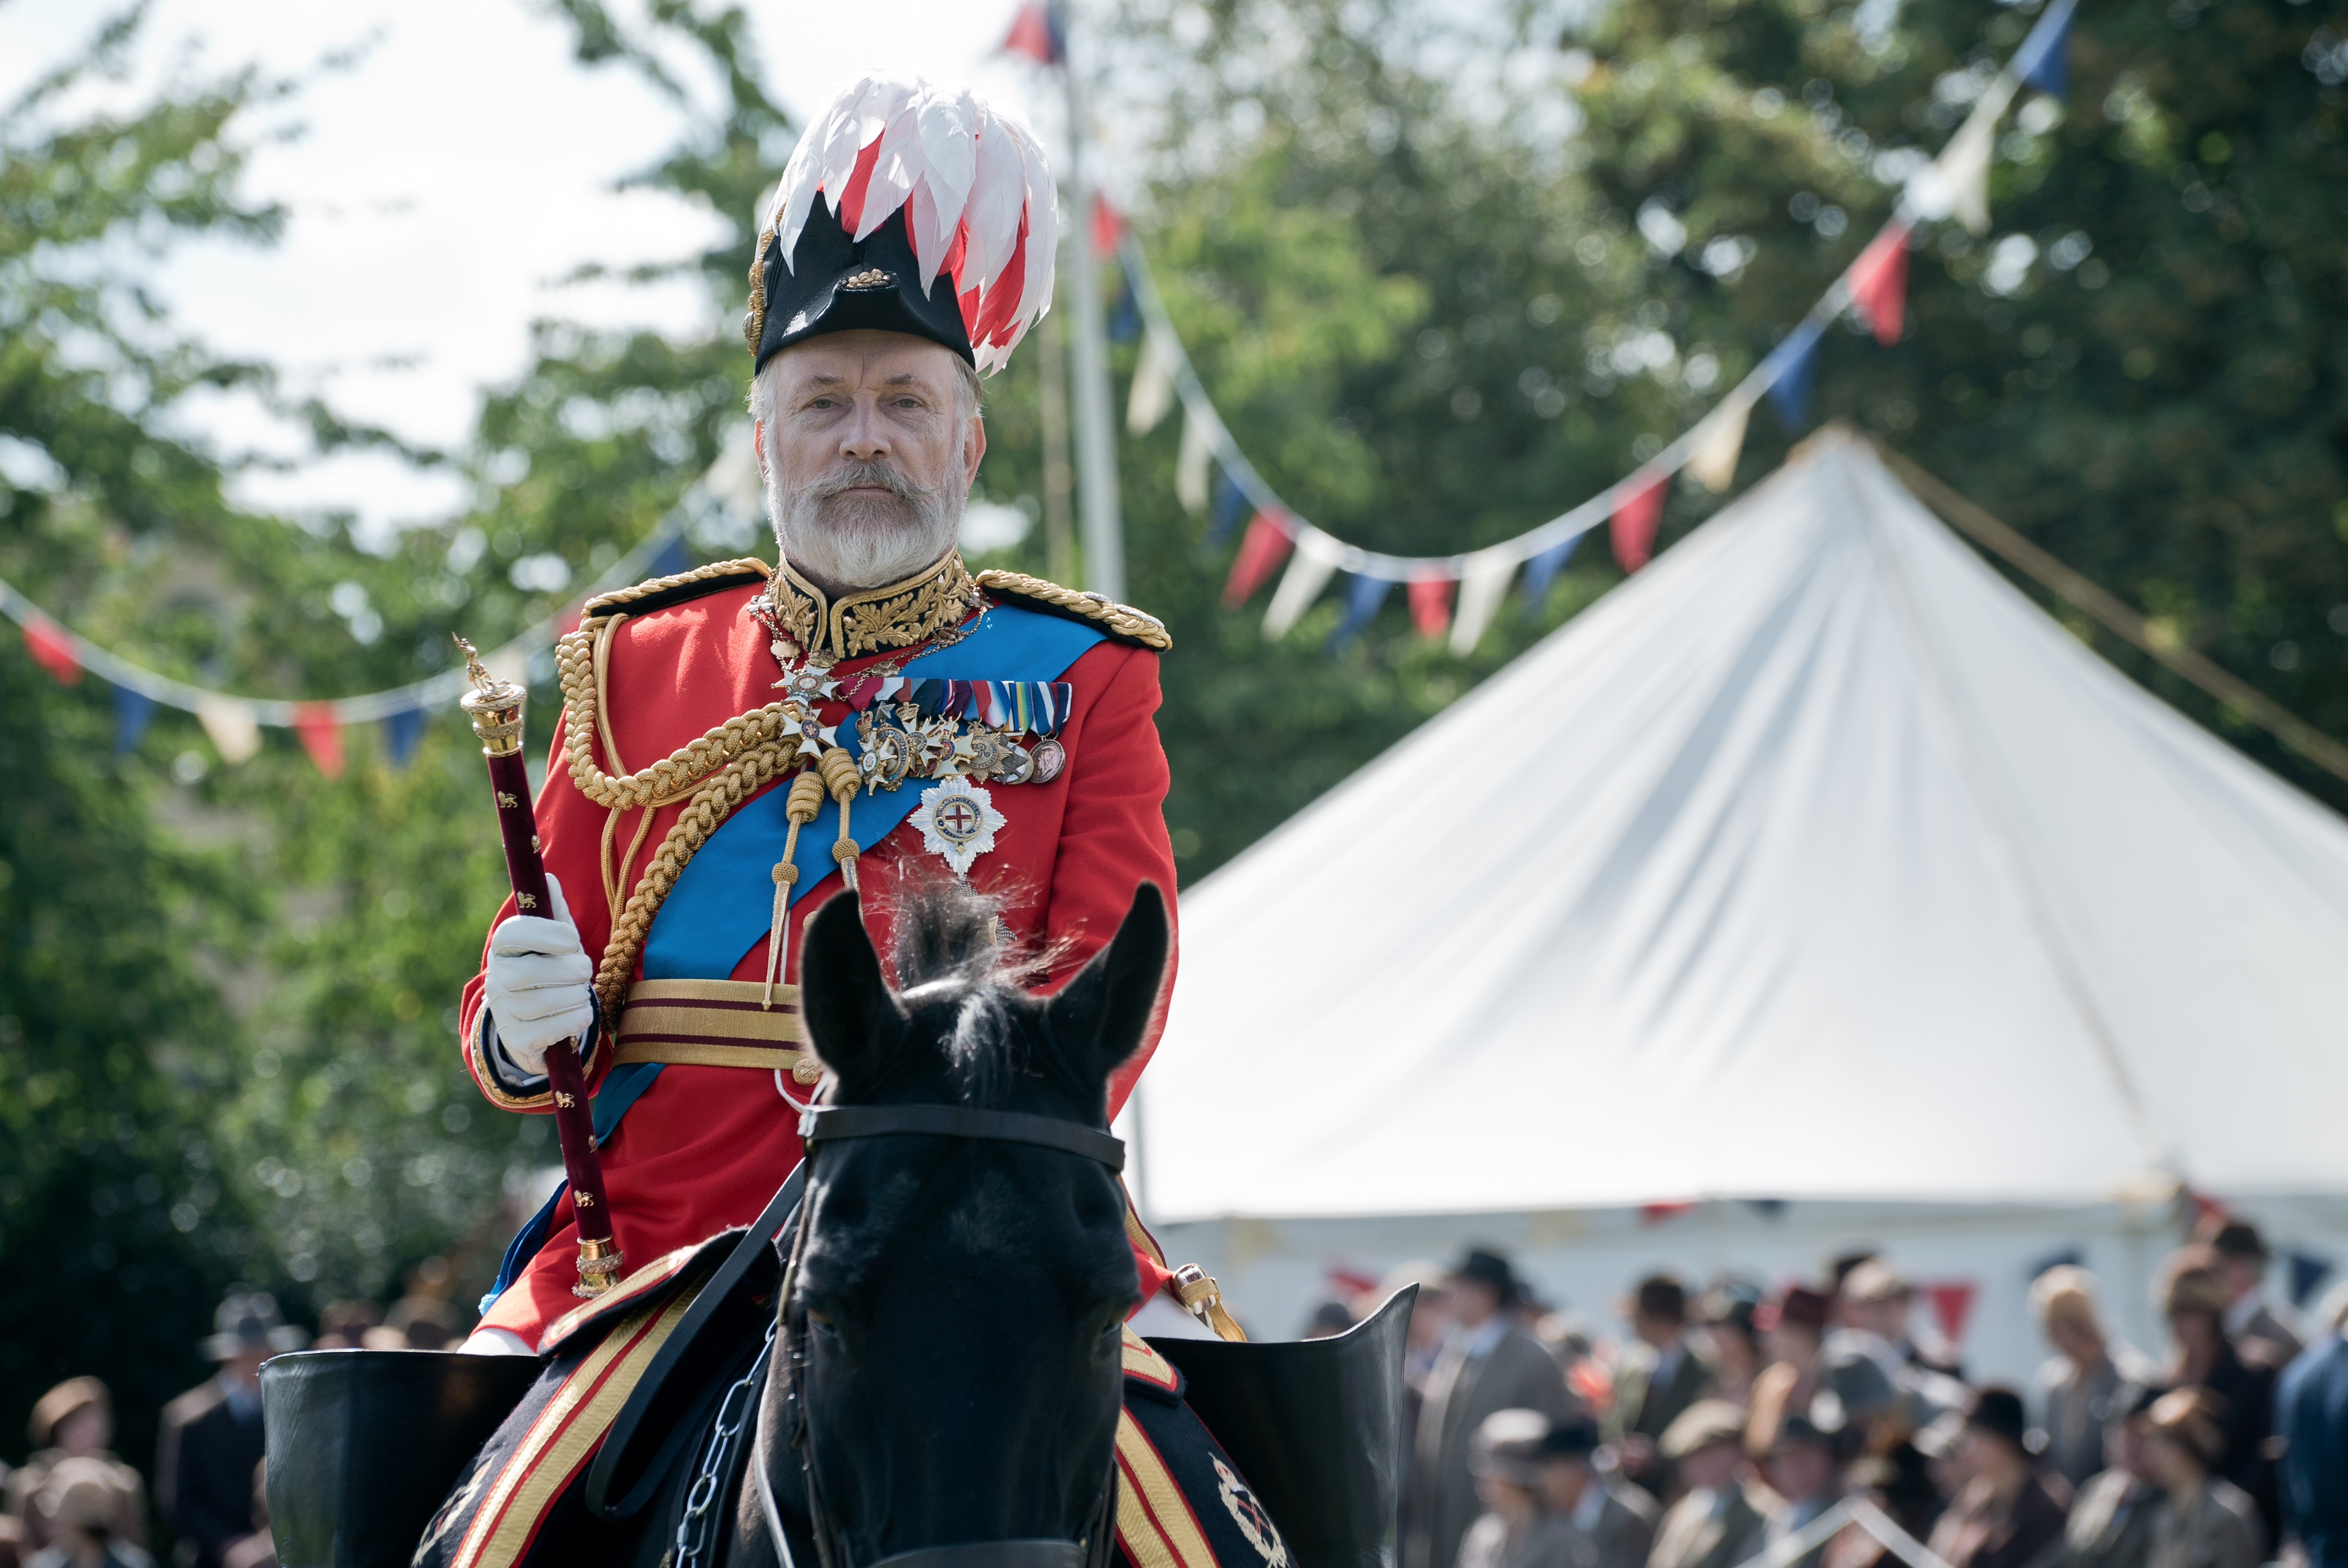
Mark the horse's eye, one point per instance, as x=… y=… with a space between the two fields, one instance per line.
x=822 y=1324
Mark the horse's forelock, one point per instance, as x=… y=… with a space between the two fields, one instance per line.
x=952 y=952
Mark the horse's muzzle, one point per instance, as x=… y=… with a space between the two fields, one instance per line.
x=992 y=1554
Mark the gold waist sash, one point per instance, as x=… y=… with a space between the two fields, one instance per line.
x=716 y=1023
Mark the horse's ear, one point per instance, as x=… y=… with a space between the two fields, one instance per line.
x=851 y=1017
x=1105 y=1011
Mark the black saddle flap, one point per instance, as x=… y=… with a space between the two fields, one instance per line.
x=1316 y=1428
x=363 y=1445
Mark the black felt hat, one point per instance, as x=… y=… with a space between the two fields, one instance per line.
x=837 y=284
x=1490 y=1268
x=1997 y=1411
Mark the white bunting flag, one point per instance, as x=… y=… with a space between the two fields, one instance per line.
x=1481 y=590
x=1153 y=388
x=1308 y=572
x=235 y=733
x=1958 y=181
x=1190 y=467
x=1719 y=442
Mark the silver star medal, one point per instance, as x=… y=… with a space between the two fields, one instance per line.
x=957 y=819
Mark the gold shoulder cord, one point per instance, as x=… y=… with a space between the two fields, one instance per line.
x=718 y=771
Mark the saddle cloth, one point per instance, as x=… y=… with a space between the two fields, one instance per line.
x=1180 y=1502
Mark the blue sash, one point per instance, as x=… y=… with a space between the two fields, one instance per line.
x=722 y=901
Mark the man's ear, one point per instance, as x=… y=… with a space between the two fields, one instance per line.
x=1103 y=1013
x=852 y=1018
x=973 y=450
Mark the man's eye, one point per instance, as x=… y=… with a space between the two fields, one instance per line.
x=909 y=402
x=823 y=402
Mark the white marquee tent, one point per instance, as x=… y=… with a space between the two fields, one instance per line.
x=1815 y=879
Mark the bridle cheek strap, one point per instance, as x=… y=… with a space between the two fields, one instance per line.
x=836 y=1123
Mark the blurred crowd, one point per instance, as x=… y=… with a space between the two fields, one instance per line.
x=74 y=1504
x=1825 y=1425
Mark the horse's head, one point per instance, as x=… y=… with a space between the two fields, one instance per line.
x=958 y=1300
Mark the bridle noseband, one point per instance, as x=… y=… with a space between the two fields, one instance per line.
x=834 y=1124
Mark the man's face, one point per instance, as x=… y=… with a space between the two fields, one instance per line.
x=1709 y=1468
x=867 y=455
x=1656 y=1331
x=1802 y=1470
x=2242 y=1275
x=1888 y=1318
x=1473 y=1301
x=1562 y=1482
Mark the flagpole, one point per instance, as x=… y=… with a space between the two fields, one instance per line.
x=1088 y=374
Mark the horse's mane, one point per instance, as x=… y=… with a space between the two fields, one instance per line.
x=952 y=946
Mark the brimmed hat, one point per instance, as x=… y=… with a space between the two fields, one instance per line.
x=1798 y=1306
x=1508 y=1445
x=249 y=1323
x=1997 y=1411
x=1483 y=1267
x=2235 y=1239
x=1571 y=1439
x=82 y=1491
x=1700 y=1425
x=1877 y=1280
x=1661 y=1296
x=50 y=1411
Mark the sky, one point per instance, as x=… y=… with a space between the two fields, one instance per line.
x=439 y=190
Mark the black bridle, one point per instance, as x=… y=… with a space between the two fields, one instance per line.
x=834 y=1124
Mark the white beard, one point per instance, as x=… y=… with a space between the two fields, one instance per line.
x=864 y=541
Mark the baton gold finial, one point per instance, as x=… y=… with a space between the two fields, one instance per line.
x=493 y=706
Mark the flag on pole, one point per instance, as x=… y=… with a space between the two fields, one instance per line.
x=133 y=712
x=320 y=734
x=235 y=733
x=1152 y=394
x=1106 y=228
x=1308 y=572
x=1481 y=590
x=1265 y=545
x=1633 y=526
x=1879 y=284
x=1796 y=363
x=1719 y=442
x=1430 y=605
x=401 y=732
x=1363 y=596
x=1038 y=33
x=1541 y=570
x=52 y=650
x=2044 y=61
x=1190 y=466
x=1125 y=313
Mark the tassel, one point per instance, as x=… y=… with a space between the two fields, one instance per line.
x=798 y=809
x=840 y=773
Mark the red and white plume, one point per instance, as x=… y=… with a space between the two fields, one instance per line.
x=978 y=199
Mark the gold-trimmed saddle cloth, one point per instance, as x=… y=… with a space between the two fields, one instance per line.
x=716 y=1023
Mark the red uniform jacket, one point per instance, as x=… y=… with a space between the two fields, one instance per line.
x=706 y=1147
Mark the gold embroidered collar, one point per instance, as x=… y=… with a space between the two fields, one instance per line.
x=873 y=620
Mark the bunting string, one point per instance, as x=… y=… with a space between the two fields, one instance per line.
x=1874 y=285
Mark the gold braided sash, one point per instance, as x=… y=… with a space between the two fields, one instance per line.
x=716 y=1023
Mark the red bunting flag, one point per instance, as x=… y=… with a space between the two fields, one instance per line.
x=1036 y=33
x=1952 y=1303
x=52 y=651
x=1265 y=545
x=1879 y=284
x=1107 y=227
x=1633 y=527
x=321 y=735
x=1430 y=605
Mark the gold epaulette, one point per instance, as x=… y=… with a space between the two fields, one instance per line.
x=1122 y=621
x=662 y=592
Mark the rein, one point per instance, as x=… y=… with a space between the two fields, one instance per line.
x=835 y=1124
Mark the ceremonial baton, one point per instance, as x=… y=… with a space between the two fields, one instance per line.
x=494 y=707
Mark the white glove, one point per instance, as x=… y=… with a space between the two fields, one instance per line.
x=537 y=986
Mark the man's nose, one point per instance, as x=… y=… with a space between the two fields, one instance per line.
x=867 y=438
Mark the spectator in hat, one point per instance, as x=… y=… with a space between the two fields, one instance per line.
x=211 y=1436
x=1732 y=1339
x=2114 y=1516
x=1899 y=1484
x=2005 y=1513
x=1723 y=1519
x=2243 y=1376
x=75 y=1421
x=1804 y=1472
x=1515 y=1530
x=1329 y=1319
x=2312 y=1417
x=1612 y=1523
x=1879 y=1299
x=2209 y=1522
x=2089 y=1382
x=344 y=1325
x=1793 y=1328
x=1662 y=1375
x=2239 y=1257
x=1486 y=1365
x=83 y=1498
x=1430 y=1323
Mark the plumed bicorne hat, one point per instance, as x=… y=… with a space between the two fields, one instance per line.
x=908 y=206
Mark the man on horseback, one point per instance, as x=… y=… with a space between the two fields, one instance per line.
x=851 y=719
